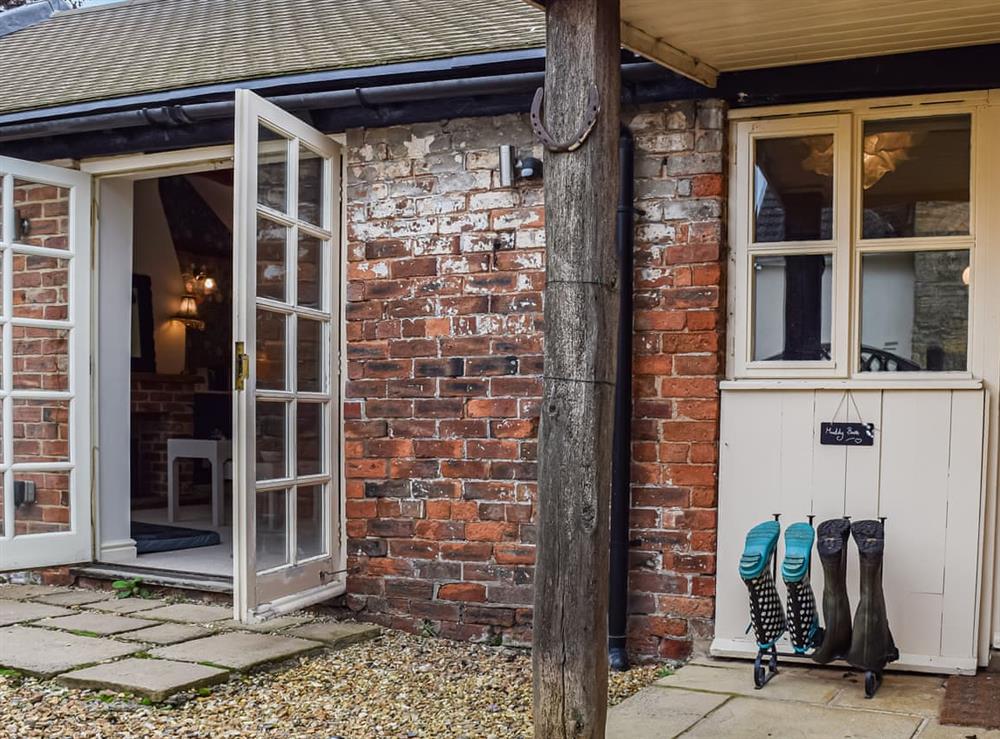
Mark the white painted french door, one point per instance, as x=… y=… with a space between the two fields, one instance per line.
x=288 y=547
x=45 y=414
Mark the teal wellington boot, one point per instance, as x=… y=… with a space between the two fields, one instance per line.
x=803 y=621
x=767 y=617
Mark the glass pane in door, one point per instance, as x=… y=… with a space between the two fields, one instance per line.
x=271 y=529
x=915 y=177
x=792 y=307
x=290 y=280
x=272 y=169
x=309 y=517
x=915 y=311
x=793 y=188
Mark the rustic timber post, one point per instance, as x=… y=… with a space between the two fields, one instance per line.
x=581 y=308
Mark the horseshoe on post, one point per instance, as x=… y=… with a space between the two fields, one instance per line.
x=590 y=119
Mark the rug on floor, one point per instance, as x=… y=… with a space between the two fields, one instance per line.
x=972 y=701
x=157 y=537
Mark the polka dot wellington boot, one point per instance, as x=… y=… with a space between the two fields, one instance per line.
x=767 y=617
x=803 y=621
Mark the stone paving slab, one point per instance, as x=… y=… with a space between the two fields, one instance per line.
x=655 y=713
x=757 y=718
x=191 y=613
x=22 y=592
x=238 y=650
x=156 y=679
x=15 y=611
x=44 y=653
x=337 y=634
x=264 y=627
x=733 y=664
x=934 y=730
x=73 y=598
x=126 y=605
x=166 y=633
x=102 y=624
x=918 y=695
x=790 y=684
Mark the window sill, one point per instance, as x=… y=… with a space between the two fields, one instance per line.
x=962 y=382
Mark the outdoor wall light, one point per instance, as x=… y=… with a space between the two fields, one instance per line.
x=527 y=168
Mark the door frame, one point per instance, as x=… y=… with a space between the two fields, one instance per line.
x=107 y=546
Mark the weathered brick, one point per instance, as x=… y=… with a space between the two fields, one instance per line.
x=445 y=364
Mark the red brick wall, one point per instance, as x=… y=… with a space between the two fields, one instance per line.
x=446 y=273
x=162 y=408
x=679 y=317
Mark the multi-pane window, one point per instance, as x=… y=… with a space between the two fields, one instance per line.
x=853 y=245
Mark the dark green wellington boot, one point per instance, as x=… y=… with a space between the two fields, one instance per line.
x=766 y=614
x=872 y=646
x=832 y=547
x=803 y=621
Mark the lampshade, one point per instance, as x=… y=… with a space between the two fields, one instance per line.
x=188 y=313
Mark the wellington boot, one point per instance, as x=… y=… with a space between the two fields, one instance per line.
x=832 y=538
x=803 y=621
x=766 y=614
x=871 y=645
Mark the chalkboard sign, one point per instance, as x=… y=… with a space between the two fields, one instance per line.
x=847 y=434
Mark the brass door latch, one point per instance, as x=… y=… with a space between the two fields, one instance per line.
x=241 y=363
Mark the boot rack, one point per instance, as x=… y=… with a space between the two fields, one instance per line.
x=762 y=673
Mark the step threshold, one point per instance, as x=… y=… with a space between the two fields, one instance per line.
x=157 y=577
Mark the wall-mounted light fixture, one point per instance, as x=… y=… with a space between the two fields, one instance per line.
x=188 y=313
x=201 y=285
x=527 y=168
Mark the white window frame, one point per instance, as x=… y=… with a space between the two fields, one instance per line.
x=847 y=245
x=745 y=249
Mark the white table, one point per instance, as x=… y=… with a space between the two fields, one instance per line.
x=217 y=452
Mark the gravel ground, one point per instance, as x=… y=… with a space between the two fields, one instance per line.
x=396 y=686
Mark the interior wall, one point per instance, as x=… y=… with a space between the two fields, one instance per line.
x=154 y=255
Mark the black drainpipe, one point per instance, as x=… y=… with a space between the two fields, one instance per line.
x=621 y=462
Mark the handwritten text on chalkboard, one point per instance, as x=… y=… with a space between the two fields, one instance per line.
x=847 y=434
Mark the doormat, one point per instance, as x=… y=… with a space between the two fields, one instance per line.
x=972 y=701
x=156 y=537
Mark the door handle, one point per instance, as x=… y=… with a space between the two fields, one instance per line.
x=241 y=363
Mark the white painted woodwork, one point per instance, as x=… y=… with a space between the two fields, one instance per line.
x=924 y=474
x=113 y=367
x=74 y=544
x=261 y=595
x=700 y=39
x=983 y=372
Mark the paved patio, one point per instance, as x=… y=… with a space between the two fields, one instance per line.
x=151 y=648
x=716 y=698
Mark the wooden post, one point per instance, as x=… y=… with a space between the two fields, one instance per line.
x=570 y=622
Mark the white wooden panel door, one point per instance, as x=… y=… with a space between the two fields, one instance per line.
x=45 y=464
x=288 y=546
x=924 y=474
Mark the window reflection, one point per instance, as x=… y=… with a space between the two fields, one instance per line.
x=915 y=177
x=914 y=311
x=793 y=189
x=792 y=307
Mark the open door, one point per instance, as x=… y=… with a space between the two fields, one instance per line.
x=288 y=546
x=45 y=412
